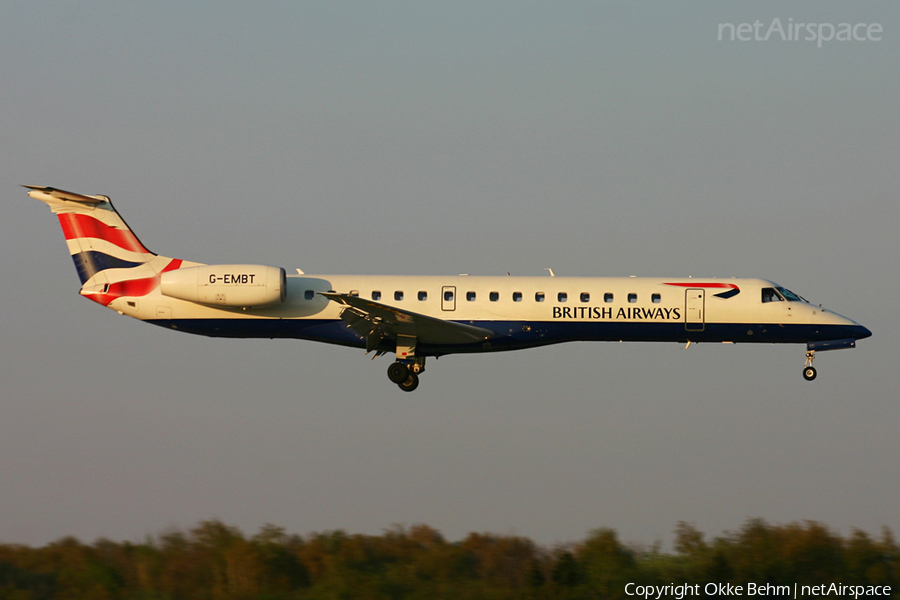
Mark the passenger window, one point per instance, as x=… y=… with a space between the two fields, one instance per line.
x=354 y=293
x=517 y=296
x=632 y=298
x=607 y=297
x=562 y=297
x=494 y=296
x=448 y=295
x=423 y=296
x=656 y=298
x=398 y=295
x=585 y=297
x=769 y=295
x=470 y=296
x=539 y=297
x=376 y=295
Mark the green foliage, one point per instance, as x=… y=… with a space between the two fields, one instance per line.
x=214 y=561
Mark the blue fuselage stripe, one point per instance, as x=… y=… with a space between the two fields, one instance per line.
x=512 y=335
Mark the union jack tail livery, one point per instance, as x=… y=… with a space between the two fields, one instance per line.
x=417 y=317
x=110 y=260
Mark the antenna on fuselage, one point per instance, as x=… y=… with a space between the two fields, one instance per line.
x=552 y=274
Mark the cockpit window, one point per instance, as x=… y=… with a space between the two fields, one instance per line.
x=789 y=295
x=770 y=295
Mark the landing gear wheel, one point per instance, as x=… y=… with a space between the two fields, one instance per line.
x=411 y=383
x=398 y=373
x=809 y=373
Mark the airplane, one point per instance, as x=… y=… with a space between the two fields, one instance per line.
x=415 y=317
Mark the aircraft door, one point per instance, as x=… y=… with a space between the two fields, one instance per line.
x=448 y=297
x=694 y=309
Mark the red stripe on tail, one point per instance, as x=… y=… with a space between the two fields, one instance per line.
x=132 y=287
x=76 y=226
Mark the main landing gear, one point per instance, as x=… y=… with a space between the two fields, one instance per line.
x=405 y=373
x=809 y=371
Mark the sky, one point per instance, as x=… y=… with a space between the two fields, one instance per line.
x=605 y=138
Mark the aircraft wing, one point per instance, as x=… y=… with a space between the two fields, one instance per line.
x=376 y=321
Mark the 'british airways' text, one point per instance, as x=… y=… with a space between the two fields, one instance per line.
x=635 y=313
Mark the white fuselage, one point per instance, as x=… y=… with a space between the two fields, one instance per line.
x=521 y=311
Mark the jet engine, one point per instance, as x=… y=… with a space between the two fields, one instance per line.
x=239 y=286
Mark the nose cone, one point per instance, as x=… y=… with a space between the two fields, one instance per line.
x=845 y=328
x=859 y=332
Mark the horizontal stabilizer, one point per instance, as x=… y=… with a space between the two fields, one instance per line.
x=64 y=195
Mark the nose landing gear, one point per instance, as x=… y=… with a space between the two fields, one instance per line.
x=809 y=371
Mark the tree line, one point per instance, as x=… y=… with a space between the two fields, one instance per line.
x=215 y=561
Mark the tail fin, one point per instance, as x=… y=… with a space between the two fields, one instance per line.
x=110 y=260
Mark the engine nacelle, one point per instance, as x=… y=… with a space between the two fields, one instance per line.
x=239 y=286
